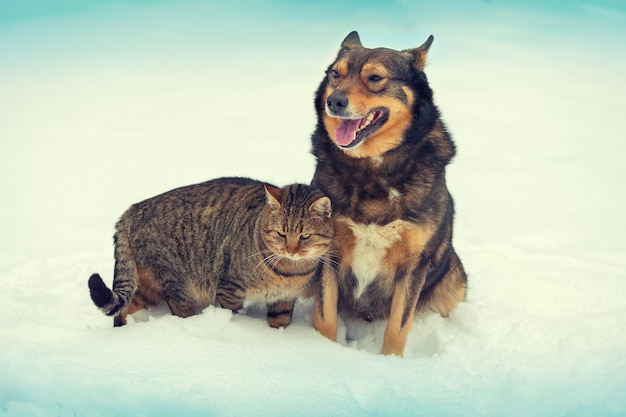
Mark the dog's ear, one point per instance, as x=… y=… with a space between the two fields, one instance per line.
x=418 y=55
x=350 y=42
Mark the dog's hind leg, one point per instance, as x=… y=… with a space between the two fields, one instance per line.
x=449 y=291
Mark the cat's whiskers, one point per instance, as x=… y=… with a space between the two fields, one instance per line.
x=259 y=253
x=263 y=257
x=272 y=260
x=330 y=262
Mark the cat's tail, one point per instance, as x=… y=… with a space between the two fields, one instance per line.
x=105 y=299
x=117 y=300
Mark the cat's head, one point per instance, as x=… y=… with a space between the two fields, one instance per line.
x=297 y=222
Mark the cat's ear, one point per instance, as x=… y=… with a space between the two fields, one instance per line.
x=322 y=207
x=274 y=195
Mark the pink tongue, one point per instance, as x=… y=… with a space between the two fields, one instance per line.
x=346 y=131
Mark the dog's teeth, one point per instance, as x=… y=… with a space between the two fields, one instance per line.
x=367 y=121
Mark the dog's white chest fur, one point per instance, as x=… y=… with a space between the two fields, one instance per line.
x=370 y=248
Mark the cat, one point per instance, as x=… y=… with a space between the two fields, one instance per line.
x=219 y=242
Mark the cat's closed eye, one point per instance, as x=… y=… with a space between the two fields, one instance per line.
x=303 y=236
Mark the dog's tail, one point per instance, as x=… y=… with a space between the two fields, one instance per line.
x=117 y=300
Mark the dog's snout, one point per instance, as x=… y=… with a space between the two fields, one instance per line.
x=337 y=103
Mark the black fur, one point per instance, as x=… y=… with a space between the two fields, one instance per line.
x=100 y=294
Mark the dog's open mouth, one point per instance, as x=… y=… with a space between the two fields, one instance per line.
x=351 y=132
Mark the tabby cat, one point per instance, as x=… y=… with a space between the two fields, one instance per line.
x=219 y=242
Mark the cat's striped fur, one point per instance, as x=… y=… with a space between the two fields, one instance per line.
x=220 y=242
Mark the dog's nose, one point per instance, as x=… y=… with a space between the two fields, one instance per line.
x=337 y=103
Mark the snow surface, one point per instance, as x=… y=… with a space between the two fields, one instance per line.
x=103 y=104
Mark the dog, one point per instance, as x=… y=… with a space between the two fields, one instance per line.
x=381 y=150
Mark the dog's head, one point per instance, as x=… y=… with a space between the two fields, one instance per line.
x=370 y=97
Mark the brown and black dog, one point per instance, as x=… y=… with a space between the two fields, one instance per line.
x=381 y=151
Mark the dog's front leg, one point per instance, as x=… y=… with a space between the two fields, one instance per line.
x=325 y=305
x=404 y=300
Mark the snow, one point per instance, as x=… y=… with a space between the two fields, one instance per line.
x=103 y=104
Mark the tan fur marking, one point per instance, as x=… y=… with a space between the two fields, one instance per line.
x=371 y=68
x=410 y=97
x=341 y=67
x=406 y=250
x=420 y=58
x=325 y=321
x=344 y=239
x=395 y=333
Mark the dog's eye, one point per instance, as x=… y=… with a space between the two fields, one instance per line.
x=334 y=74
x=374 y=78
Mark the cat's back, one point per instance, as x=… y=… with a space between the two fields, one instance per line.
x=199 y=203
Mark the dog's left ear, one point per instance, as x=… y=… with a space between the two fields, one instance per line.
x=418 y=55
x=350 y=42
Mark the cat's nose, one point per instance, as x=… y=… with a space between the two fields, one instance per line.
x=291 y=250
